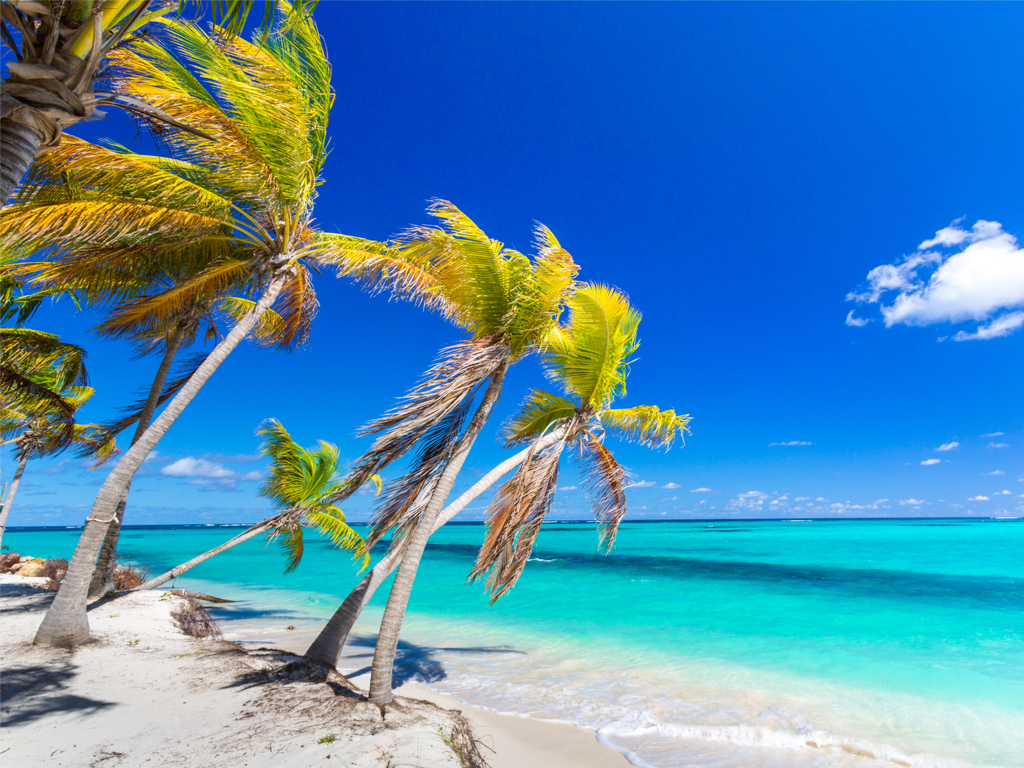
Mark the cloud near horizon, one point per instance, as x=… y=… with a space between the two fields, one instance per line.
x=790 y=443
x=983 y=282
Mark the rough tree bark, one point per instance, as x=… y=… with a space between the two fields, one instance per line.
x=329 y=644
x=19 y=145
x=66 y=623
x=103 y=575
x=394 y=612
x=10 y=495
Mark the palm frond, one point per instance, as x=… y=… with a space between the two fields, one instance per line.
x=269 y=331
x=514 y=519
x=331 y=521
x=604 y=480
x=590 y=357
x=535 y=416
x=646 y=424
x=461 y=369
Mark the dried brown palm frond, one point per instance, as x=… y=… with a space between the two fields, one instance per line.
x=605 y=481
x=128 y=577
x=461 y=369
x=514 y=520
x=54 y=570
x=405 y=499
x=195 y=621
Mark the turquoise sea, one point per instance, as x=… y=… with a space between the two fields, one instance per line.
x=706 y=643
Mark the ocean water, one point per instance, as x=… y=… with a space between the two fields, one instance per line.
x=740 y=643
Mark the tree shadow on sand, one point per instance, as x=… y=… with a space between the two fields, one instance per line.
x=417 y=663
x=34 y=691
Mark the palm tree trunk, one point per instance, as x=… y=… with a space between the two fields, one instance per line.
x=398 y=600
x=330 y=643
x=103 y=575
x=19 y=145
x=66 y=623
x=175 y=572
x=10 y=495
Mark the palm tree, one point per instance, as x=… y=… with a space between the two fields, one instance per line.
x=303 y=485
x=590 y=359
x=41 y=428
x=600 y=336
x=508 y=303
x=63 y=47
x=237 y=209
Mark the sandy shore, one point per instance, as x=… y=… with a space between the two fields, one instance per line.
x=143 y=693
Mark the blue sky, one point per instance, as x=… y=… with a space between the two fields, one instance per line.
x=739 y=170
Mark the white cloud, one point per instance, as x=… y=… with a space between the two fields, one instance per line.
x=791 y=442
x=979 y=498
x=978 y=282
x=191 y=467
x=209 y=474
x=1002 y=493
x=948 y=446
x=700 y=490
x=642 y=484
x=927 y=462
x=569 y=488
x=998 y=445
x=994 y=472
x=993 y=434
x=1001 y=326
x=914 y=502
x=802 y=498
x=671 y=486
x=856 y=322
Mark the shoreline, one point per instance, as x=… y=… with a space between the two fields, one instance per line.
x=262 y=707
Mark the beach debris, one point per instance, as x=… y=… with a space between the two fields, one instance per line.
x=128 y=577
x=291 y=626
x=195 y=621
x=54 y=569
x=8 y=559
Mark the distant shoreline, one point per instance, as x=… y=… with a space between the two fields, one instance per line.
x=366 y=523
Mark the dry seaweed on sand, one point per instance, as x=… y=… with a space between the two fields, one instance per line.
x=128 y=577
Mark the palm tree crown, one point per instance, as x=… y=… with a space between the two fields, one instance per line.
x=303 y=483
x=590 y=358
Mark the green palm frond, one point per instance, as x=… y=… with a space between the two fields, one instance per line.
x=270 y=330
x=330 y=520
x=591 y=356
x=647 y=424
x=536 y=416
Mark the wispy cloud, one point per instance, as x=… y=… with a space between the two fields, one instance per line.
x=979 y=498
x=671 y=486
x=856 y=322
x=998 y=445
x=211 y=474
x=948 y=446
x=928 y=462
x=912 y=502
x=790 y=443
x=993 y=434
x=982 y=281
x=994 y=472
x=642 y=484
x=700 y=490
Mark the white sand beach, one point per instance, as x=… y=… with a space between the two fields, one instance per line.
x=143 y=693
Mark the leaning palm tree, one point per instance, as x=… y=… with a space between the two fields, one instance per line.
x=590 y=360
x=508 y=303
x=302 y=484
x=237 y=208
x=41 y=429
x=60 y=51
